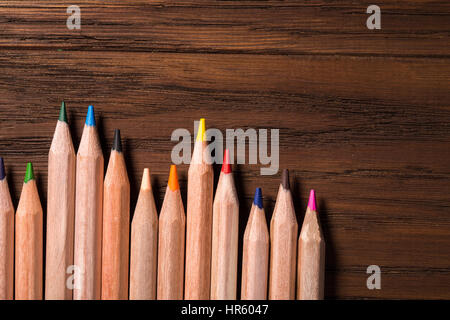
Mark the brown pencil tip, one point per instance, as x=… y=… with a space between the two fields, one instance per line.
x=285 y=179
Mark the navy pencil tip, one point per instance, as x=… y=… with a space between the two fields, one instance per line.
x=258 y=198
x=117 y=144
x=90 y=118
x=2 y=169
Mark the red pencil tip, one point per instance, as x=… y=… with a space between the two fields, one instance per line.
x=312 y=201
x=226 y=166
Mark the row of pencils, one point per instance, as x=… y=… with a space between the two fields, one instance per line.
x=90 y=253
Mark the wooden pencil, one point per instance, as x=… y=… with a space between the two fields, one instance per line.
x=60 y=211
x=283 y=244
x=171 y=242
x=88 y=213
x=225 y=235
x=116 y=224
x=29 y=233
x=255 y=253
x=6 y=238
x=311 y=255
x=199 y=220
x=144 y=244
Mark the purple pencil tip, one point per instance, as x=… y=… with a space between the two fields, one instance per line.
x=2 y=169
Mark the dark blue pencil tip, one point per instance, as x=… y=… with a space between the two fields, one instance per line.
x=2 y=169
x=90 y=118
x=258 y=198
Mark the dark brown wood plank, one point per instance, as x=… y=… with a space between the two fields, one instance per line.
x=415 y=28
x=370 y=134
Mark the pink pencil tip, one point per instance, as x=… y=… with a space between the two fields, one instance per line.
x=312 y=201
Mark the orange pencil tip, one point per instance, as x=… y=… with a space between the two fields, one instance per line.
x=173 y=178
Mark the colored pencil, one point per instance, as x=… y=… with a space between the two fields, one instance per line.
x=6 y=238
x=172 y=224
x=311 y=255
x=116 y=224
x=60 y=211
x=29 y=233
x=199 y=220
x=144 y=244
x=88 y=213
x=255 y=253
x=225 y=235
x=283 y=244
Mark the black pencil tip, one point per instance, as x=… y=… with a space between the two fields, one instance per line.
x=117 y=145
x=285 y=179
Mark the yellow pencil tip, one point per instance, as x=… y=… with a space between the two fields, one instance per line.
x=201 y=130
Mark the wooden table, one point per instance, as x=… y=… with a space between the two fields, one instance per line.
x=364 y=115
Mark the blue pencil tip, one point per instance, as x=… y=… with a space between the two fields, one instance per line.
x=2 y=169
x=258 y=198
x=90 y=118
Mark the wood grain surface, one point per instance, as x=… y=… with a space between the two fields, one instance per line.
x=364 y=115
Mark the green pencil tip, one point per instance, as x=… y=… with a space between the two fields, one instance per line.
x=63 y=113
x=29 y=175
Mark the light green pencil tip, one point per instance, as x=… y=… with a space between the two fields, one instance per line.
x=63 y=113
x=29 y=175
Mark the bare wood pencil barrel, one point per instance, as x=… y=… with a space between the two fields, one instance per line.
x=6 y=238
x=225 y=236
x=199 y=221
x=311 y=255
x=88 y=213
x=29 y=239
x=60 y=212
x=144 y=244
x=283 y=244
x=255 y=253
x=172 y=225
x=116 y=223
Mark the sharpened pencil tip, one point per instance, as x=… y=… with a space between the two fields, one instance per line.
x=226 y=166
x=201 y=130
x=90 y=118
x=145 y=185
x=29 y=174
x=63 y=113
x=258 y=198
x=117 y=144
x=285 y=179
x=173 y=178
x=2 y=169
x=312 y=201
